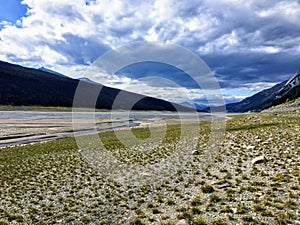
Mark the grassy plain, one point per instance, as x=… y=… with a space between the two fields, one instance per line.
x=53 y=182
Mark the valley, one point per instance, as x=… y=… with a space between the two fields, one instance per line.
x=54 y=182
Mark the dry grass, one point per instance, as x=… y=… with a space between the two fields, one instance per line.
x=51 y=182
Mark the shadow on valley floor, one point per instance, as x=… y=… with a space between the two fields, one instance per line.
x=252 y=126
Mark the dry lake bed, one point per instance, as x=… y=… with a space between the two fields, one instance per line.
x=22 y=127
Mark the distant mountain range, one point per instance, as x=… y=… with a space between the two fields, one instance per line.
x=43 y=87
x=280 y=93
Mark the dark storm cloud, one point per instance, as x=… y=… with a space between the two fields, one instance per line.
x=237 y=69
x=79 y=50
x=162 y=70
x=245 y=43
x=266 y=50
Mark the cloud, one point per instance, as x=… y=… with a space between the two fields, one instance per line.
x=157 y=69
x=250 y=42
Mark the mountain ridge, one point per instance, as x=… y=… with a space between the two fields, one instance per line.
x=52 y=72
x=279 y=93
x=27 y=86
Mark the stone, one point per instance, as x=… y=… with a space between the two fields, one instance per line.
x=259 y=159
x=297 y=222
x=222 y=186
x=196 y=152
x=250 y=147
x=234 y=210
x=182 y=222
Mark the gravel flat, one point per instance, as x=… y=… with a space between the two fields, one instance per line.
x=178 y=174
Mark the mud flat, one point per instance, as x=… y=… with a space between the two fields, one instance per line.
x=23 y=127
x=252 y=179
x=23 y=131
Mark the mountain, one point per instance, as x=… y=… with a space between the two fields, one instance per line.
x=85 y=79
x=52 y=72
x=286 y=90
x=289 y=106
x=26 y=86
x=256 y=102
x=290 y=91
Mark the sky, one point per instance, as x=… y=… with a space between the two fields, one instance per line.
x=248 y=45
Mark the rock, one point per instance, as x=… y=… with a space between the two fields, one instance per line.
x=182 y=222
x=269 y=139
x=250 y=147
x=221 y=186
x=196 y=152
x=234 y=210
x=297 y=222
x=259 y=159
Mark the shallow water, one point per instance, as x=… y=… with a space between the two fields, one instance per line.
x=99 y=115
x=22 y=127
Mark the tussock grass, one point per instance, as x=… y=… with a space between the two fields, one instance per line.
x=52 y=182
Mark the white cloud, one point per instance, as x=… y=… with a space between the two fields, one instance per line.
x=255 y=87
x=225 y=44
x=288 y=10
x=171 y=91
x=248 y=89
x=68 y=35
x=209 y=26
x=164 y=11
x=266 y=49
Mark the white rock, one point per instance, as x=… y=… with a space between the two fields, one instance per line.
x=182 y=222
x=269 y=139
x=222 y=186
x=259 y=159
x=234 y=210
x=250 y=147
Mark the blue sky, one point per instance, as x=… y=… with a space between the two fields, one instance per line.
x=12 y=10
x=249 y=45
